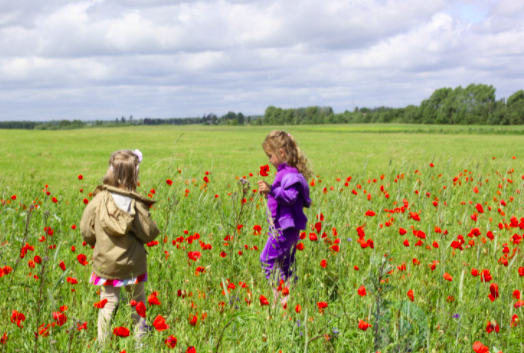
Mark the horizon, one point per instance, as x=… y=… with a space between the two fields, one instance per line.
x=99 y=60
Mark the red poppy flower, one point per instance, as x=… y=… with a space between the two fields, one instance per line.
x=141 y=309
x=519 y=304
x=323 y=263
x=257 y=229
x=492 y=326
x=264 y=169
x=54 y=200
x=121 y=331
x=363 y=325
x=514 y=320
x=152 y=299
x=298 y=309
x=479 y=208
x=480 y=348
x=71 y=280
x=80 y=177
x=285 y=291
x=516 y=294
x=82 y=259
x=414 y=216
x=60 y=318
x=402 y=231
x=81 y=327
x=206 y=179
x=313 y=237
x=485 y=276
x=321 y=306
x=193 y=320
x=362 y=291
x=86 y=201
x=100 y=304
x=160 y=323
x=474 y=272
x=263 y=300
x=370 y=213
x=169 y=182
x=17 y=318
x=336 y=248
x=62 y=265
x=223 y=254
x=171 y=341
x=411 y=295
x=300 y=246
x=3 y=339
x=447 y=277
x=191 y=350
x=194 y=255
x=494 y=292
x=406 y=242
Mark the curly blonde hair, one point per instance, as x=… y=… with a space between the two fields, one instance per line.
x=123 y=170
x=277 y=140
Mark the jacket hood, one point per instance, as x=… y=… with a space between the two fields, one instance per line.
x=133 y=194
x=113 y=219
x=297 y=178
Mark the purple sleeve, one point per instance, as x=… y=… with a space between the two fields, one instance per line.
x=287 y=196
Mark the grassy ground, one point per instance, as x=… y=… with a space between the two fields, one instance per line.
x=387 y=171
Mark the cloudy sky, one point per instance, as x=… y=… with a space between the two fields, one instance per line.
x=102 y=59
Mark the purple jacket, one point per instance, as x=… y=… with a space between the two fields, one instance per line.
x=288 y=196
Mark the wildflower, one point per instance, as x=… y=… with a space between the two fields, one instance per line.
x=17 y=318
x=60 y=318
x=362 y=291
x=363 y=325
x=160 y=323
x=171 y=341
x=100 y=304
x=494 y=292
x=141 y=309
x=411 y=295
x=263 y=300
x=121 y=331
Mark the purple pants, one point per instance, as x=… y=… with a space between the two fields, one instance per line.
x=279 y=254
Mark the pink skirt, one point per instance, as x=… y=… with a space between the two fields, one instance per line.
x=100 y=281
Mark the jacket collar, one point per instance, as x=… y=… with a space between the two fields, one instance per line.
x=133 y=194
x=282 y=167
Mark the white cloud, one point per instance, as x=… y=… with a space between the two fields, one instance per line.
x=163 y=58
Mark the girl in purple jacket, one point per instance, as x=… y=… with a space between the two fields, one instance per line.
x=287 y=197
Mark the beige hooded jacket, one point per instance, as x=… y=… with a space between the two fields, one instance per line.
x=118 y=237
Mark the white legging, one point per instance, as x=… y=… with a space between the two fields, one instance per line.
x=112 y=294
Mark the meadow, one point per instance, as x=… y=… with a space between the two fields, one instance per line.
x=409 y=232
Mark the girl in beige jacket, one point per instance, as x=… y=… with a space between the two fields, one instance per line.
x=117 y=223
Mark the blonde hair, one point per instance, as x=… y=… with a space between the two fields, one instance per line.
x=123 y=170
x=277 y=140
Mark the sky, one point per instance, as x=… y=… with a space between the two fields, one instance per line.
x=103 y=59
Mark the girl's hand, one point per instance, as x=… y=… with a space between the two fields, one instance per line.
x=263 y=187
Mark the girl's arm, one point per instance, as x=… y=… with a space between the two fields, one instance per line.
x=146 y=229
x=286 y=196
x=87 y=224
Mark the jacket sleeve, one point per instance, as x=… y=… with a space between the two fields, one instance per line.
x=286 y=196
x=145 y=229
x=87 y=224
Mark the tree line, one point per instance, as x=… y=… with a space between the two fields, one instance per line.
x=474 y=105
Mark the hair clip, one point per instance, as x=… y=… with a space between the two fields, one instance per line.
x=139 y=155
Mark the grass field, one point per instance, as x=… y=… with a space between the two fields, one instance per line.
x=389 y=167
